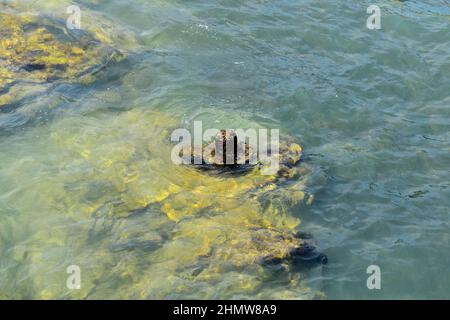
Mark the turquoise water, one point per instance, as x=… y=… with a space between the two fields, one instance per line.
x=370 y=107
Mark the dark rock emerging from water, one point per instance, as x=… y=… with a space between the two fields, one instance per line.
x=226 y=155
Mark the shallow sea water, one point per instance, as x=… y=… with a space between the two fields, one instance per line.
x=80 y=165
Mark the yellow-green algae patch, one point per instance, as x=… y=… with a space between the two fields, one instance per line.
x=102 y=193
x=36 y=50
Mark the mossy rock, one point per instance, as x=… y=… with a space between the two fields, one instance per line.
x=156 y=229
x=37 y=51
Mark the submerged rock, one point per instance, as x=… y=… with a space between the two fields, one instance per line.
x=37 y=51
x=131 y=219
x=229 y=156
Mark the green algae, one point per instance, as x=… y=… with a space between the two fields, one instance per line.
x=38 y=50
x=103 y=194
